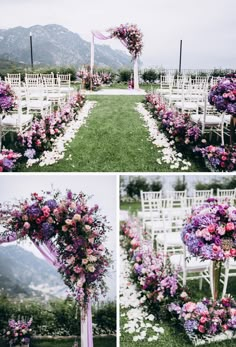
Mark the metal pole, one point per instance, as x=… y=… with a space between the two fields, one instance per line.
x=180 y=57
x=31 y=52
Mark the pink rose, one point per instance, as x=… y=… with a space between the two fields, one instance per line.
x=89 y=251
x=190 y=306
x=203 y=320
x=221 y=230
x=26 y=225
x=211 y=228
x=201 y=328
x=229 y=226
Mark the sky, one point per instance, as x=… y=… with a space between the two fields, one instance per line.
x=101 y=188
x=207 y=27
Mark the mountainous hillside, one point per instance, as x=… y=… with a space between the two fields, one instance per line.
x=55 y=45
x=23 y=274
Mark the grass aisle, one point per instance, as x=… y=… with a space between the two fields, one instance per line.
x=113 y=139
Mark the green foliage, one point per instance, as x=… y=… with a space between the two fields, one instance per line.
x=155 y=185
x=56 y=318
x=135 y=185
x=180 y=184
x=105 y=318
x=125 y=75
x=150 y=75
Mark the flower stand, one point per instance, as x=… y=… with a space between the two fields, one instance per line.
x=227 y=335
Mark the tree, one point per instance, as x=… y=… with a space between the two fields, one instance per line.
x=156 y=185
x=135 y=186
x=180 y=184
x=150 y=75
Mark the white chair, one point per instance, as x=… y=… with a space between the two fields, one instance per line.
x=145 y=214
x=176 y=196
x=203 y=194
x=65 y=83
x=229 y=271
x=228 y=195
x=18 y=120
x=36 y=101
x=191 y=268
x=52 y=87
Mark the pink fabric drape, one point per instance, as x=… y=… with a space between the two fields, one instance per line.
x=49 y=251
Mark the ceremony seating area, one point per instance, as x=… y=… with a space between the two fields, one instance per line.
x=35 y=96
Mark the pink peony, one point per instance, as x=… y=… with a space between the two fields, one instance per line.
x=26 y=225
x=201 y=329
x=229 y=226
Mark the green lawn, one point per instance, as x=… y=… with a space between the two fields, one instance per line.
x=132 y=207
x=107 y=341
x=114 y=139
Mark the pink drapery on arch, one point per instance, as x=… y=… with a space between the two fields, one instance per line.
x=101 y=36
x=48 y=250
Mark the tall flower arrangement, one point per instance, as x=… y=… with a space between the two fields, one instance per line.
x=131 y=36
x=74 y=233
x=210 y=233
x=7 y=98
x=223 y=95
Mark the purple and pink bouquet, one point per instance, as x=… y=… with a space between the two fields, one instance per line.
x=223 y=95
x=18 y=332
x=7 y=98
x=210 y=232
x=207 y=317
x=131 y=37
x=86 y=77
x=156 y=281
x=221 y=158
x=73 y=231
x=8 y=159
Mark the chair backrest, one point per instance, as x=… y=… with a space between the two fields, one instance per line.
x=31 y=75
x=226 y=195
x=176 y=195
x=14 y=82
x=156 y=205
x=203 y=193
x=15 y=76
x=64 y=79
x=146 y=196
x=47 y=75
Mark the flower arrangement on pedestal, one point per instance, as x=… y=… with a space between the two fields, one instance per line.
x=131 y=37
x=223 y=95
x=210 y=233
x=86 y=78
x=7 y=98
x=18 y=333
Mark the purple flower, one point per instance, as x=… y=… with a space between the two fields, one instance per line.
x=48 y=230
x=30 y=153
x=51 y=204
x=190 y=325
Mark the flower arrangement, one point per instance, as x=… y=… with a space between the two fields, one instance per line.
x=206 y=318
x=223 y=95
x=131 y=37
x=18 y=332
x=210 y=232
x=86 y=77
x=7 y=98
x=220 y=158
x=74 y=234
x=8 y=159
x=44 y=131
x=177 y=126
x=156 y=281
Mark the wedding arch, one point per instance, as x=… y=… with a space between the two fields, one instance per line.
x=70 y=235
x=130 y=36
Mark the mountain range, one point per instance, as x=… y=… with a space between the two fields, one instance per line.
x=22 y=274
x=54 y=45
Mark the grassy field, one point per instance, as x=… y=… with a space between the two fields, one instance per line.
x=132 y=207
x=109 y=341
x=113 y=140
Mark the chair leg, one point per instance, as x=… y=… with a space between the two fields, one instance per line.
x=200 y=283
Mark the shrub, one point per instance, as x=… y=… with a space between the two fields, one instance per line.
x=180 y=184
x=135 y=185
x=150 y=75
x=125 y=75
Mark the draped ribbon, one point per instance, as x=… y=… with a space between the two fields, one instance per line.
x=101 y=36
x=49 y=251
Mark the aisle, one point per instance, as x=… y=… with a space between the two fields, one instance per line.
x=113 y=139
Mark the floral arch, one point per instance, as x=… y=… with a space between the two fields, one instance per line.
x=130 y=36
x=70 y=235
